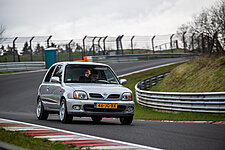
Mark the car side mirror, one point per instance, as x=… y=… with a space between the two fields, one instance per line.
x=55 y=80
x=123 y=81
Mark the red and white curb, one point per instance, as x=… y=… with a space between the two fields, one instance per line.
x=67 y=137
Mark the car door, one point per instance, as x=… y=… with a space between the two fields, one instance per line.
x=45 y=88
x=55 y=87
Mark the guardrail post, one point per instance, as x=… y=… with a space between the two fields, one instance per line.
x=153 y=47
x=132 y=46
x=84 y=49
x=150 y=83
x=14 y=49
x=171 y=43
x=104 y=45
x=31 y=59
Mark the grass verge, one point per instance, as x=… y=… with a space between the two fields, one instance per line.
x=28 y=142
x=203 y=74
x=149 y=114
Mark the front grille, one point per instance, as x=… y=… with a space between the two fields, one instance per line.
x=91 y=108
x=114 y=96
x=95 y=95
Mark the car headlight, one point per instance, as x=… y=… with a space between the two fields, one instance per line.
x=127 y=97
x=80 y=95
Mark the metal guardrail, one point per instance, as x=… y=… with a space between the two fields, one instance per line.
x=135 y=57
x=21 y=66
x=209 y=102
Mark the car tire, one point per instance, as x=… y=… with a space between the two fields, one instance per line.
x=63 y=115
x=41 y=113
x=126 y=120
x=96 y=119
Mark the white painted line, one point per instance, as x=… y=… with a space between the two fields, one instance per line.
x=56 y=136
x=150 y=68
x=23 y=129
x=69 y=139
x=89 y=136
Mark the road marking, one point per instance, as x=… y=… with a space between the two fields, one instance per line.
x=67 y=137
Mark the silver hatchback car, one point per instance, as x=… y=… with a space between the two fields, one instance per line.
x=84 y=89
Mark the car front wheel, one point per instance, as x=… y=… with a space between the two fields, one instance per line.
x=40 y=112
x=63 y=115
x=126 y=120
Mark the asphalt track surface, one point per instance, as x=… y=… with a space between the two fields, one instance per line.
x=18 y=100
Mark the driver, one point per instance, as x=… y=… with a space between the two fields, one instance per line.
x=94 y=76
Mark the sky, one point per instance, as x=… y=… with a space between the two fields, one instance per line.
x=73 y=19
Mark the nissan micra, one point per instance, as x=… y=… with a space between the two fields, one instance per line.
x=84 y=89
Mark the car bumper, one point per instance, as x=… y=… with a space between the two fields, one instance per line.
x=82 y=108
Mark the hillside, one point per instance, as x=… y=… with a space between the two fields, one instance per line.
x=203 y=74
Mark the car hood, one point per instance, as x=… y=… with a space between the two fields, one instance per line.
x=99 y=88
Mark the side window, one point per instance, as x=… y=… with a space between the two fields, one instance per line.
x=58 y=72
x=48 y=76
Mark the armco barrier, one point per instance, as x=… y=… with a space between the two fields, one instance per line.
x=134 y=57
x=210 y=102
x=21 y=66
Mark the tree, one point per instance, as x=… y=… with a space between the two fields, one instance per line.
x=2 y=49
x=208 y=28
x=78 y=47
x=25 y=49
x=9 y=51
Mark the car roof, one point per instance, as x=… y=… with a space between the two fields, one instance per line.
x=82 y=63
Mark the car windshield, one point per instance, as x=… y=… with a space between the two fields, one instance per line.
x=89 y=74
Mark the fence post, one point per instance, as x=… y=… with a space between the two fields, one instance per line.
x=31 y=59
x=104 y=45
x=153 y=47
x=208 y=44
x=14 y=49
x=192 y=41
x=48 y=40
x=203 y=43
x=83 y=51
x=93 y=45
x=121 y=45
x=132 y=46
x=184 y=42
x=171 y=43
x=117 y=45
x=99 y=44
x=70 y=51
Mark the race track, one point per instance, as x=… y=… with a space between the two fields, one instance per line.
x=18 y=100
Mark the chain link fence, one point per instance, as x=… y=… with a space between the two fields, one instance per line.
x=20 y=49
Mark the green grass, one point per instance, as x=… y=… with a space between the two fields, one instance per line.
x=28 y=142
x=204 y=74
x=149 y=114
x=40 y=57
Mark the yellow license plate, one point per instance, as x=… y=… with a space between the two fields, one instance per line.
x=106 y=105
